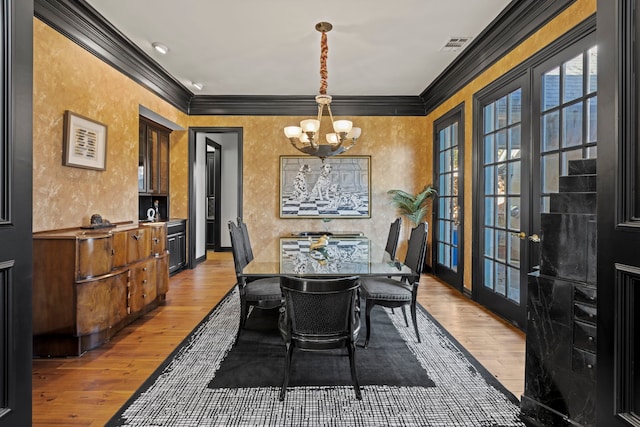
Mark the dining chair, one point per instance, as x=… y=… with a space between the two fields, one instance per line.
x=320 y=314
x=392 y=293
x=392 y=238
x=246 y=240
x=263 y=293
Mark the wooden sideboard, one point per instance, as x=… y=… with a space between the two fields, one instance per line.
x=89 y=284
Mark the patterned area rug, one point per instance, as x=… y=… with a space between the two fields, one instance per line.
x=465 y=394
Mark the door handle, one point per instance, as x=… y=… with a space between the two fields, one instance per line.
x=522 y=235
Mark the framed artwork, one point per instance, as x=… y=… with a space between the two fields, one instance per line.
x=339 y=187
x=85 y=142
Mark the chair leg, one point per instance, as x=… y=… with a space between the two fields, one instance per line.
x=404 y=313
x=287 y=368
x=354 y=375
x=243 y=319
x=368 y=307
x=415 y=320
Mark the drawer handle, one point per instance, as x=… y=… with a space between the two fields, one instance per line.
x=144 y=281
x=589 y=365
x=144 y=269
x=590 y=338
x=136 y=236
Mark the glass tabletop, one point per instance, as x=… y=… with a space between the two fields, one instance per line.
x=338 y=256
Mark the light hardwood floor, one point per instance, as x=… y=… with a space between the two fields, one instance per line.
x=89 y=390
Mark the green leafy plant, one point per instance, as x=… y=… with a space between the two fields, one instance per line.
x=413 y=206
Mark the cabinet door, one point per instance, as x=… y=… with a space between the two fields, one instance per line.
x=100 y=304
x=138 y=244
x=142 y=286
x=158 y=239
x=94 y=256
x=120 y=249
x=153 y=158
x=162 y=273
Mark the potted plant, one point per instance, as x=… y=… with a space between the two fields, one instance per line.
x=413 y=206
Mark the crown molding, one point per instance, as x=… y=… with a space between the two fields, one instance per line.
x=519 y=20
x=306 y=105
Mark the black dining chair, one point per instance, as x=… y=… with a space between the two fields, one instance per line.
x=392 y=238
x=246 y=240
x=392 y=293
x=263 y=293
x=320 y=314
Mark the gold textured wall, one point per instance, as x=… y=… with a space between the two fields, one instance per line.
x=399 y=159
x=66 y=77
x=572 y=16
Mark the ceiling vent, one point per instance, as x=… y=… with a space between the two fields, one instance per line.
x=455 y=44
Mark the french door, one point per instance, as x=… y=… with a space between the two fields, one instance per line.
x=448 y=231
x=525 y=143
x=502 y=190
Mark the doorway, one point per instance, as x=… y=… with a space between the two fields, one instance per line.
x=503 y=201
x=230 y=196
x=214 y=182
x=448 y=230
x=525 y=139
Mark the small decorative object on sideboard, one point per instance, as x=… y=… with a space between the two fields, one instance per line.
x=98 y=222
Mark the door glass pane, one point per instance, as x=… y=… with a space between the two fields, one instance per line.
x=550 y=131
x=572 y=125
x=514 y=251
x=489 y=118
x=501 y=245
x=550 y=167
x=488 y=274
x=488 y=242
x=488 y=180
x=514 y=178
x=551 y=89
x=592 y=69
x=488 y=211
x=514 y=213
x=513 y=293
x=489 y=149
x=572 y=71
x=515 y=106
x=514 y=142
x=592 y=119
x=501 y=112
x=501 y=279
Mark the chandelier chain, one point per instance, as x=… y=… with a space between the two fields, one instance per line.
x=324 y=52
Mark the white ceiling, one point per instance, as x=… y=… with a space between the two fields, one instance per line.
x=259 y=47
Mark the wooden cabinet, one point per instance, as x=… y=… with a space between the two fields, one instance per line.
x=177 y=244
x=142 y=286
x=89 y=285
x=153 y=159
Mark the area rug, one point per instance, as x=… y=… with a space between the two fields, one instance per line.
x=257 y=360
x=178 y=393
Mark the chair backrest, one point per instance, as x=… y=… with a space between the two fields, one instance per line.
x=237 y=247
x=245 y=238
x=318 y=308
x=392 y=238
x=417 y=249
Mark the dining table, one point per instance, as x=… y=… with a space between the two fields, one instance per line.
x=332 y=255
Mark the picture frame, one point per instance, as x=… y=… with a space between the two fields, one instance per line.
x=84 y=142
x=336 y=187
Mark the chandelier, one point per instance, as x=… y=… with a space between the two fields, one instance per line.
x=305 y=137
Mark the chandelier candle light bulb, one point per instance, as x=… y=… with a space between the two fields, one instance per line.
x=305 y=137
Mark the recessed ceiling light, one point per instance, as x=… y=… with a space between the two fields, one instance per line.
x=198 y=86
x=160 y=47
